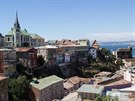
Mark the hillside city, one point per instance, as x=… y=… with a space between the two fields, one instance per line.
x=36 y=69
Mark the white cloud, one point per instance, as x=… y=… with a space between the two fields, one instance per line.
x=111 y=36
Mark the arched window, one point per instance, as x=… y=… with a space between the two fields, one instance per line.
x=8 y=39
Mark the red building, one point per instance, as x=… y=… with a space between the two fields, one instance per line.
x=27 y=56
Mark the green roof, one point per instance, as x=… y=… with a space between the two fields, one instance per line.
x=34 y=36
x=24 y=32
x=45 y=82
x=10 y=32
x=87 y=88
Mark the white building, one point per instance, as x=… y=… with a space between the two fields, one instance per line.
x=36 y=40
x=129 y=75
x=93 y=52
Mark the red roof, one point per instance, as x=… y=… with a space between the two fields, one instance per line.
x=23 y=49
x=3 y=77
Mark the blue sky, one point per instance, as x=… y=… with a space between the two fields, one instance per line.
x=104 y=20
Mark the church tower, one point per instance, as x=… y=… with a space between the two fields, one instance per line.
x=16 y=24
x=17 y=34
x=17 y=37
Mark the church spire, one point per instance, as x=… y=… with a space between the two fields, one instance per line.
x=16 y=24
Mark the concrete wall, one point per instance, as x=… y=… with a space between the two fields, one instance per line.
x=54 y=91
x=90 y=96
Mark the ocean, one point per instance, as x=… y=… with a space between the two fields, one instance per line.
x=112 y=47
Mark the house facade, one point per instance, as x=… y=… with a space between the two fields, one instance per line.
x=87 y=91
x=8 y=58
x=47 y=89
x=123 y=53
x=36 y=40
x=92 y=52
x=129 y=75
x=27 y=56
x=3 y=88
x=48 y=53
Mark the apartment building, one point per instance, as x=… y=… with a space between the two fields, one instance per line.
x=27 y=56
x=46 y=89
x=36 y=40
x=7 y=59
x=49 y=54
x=87 y=91
x=3 y=88
x=123 y=53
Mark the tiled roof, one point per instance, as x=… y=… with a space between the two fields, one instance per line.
x=95 y=44
x=22 y=49
x=103 y=73
x=68 y=85
x=2 y=78
x=45 y=82
x=87 y=88
x=124 y=49
x=74 y=80
x=119 y=82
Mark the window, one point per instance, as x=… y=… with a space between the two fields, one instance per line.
x=8 y=39
x=21 y=37
x=2 y=96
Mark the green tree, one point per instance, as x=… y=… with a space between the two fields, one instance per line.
x=18 y=88
x=105 y=98
x=40 y=60
x=20 y=68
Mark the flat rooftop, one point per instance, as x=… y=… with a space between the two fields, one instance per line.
x=45 y=82
x=87 y=88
